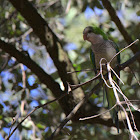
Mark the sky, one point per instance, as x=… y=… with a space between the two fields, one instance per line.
x=31 y=79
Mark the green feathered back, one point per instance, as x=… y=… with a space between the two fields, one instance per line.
x=92 y=58
x=99 y=31
x=117 y=50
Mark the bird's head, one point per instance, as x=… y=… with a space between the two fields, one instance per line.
x=88 y=33
x=93 y=34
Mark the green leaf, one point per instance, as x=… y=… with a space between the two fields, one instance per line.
x=94 y=96
x=40 y=126
x=138 y=13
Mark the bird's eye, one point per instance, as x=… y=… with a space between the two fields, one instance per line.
x=89 y=31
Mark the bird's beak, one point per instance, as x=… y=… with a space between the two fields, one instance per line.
x=85 y=36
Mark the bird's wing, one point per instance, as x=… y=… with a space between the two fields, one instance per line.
x=117 y=50
x=92 y=58
x=111 y=102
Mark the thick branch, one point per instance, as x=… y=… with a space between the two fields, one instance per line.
x=54 y=48
x=119 y=24
x=26 y=60
x=40 y=73
x=80 y=111
x=48 y=38
x=86 y=110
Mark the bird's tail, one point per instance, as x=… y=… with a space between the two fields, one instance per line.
x=111 y=102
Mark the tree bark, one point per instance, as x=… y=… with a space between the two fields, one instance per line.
x=123 y=31
x=54 y=48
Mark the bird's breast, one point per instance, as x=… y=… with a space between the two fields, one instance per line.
x=104 y=50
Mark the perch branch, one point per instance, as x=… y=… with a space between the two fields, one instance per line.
x=38 y=71
x=115 y=18
x=73 y=112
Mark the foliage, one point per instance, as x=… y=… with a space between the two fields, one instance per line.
x=21 y=89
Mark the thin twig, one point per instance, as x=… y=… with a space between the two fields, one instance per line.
x=79 y=85
x=101 y=71
x=69 y=117
x=123 y=49
x=72 y=113
x=128 y=103
x=117 y=76
x=23 y=76
x=43 y=105
x=91 y=117
x=127 y=63
x=95 y=116
x=79 y=71
x=112 y=12
x=119 y=103
x=68 y=7
x=135 y=76
x=8 y=57
x=20 y=123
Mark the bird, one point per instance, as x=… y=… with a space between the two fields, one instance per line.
x=102 y=47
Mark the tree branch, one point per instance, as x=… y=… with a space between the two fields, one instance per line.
x=75 y=115
x=115 y=18
x=54 y=87
x=26 y=60
x=48 y=38
x=54 y=48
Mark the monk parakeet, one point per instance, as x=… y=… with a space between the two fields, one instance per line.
x=102 y=47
